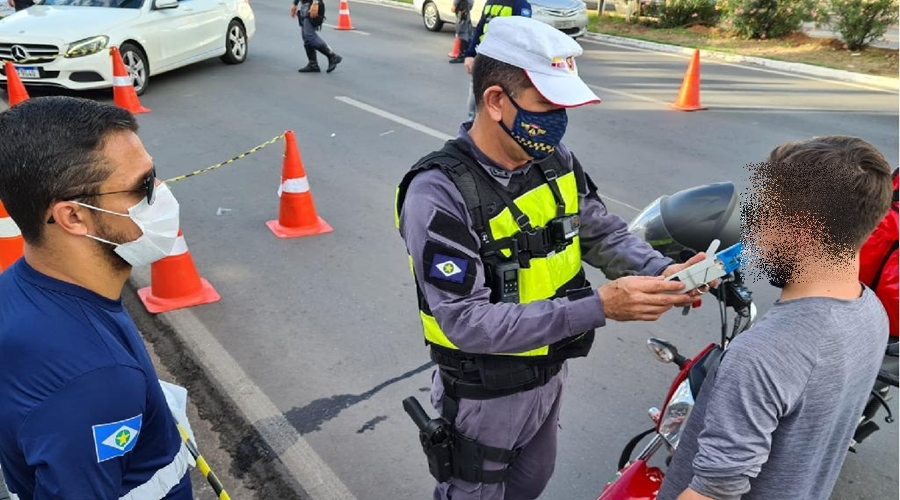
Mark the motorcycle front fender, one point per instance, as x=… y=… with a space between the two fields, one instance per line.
x=636 y=481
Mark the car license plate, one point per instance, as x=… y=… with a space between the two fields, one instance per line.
x=28 y=72
x=565 y=25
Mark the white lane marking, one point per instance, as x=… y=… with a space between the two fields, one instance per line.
x=432 y=132
x=727 y=108
x=394 y=118
x=743 y=66
x=299 y=458
x=358 y=32
x=626 y=94
x=782 y=111
x=391 y=4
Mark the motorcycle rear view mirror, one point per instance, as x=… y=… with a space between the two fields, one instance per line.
x=665 y=352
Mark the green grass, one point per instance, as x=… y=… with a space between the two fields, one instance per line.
x=795 y=48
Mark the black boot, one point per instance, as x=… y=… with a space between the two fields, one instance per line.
x=333 y=59
x=313 y=66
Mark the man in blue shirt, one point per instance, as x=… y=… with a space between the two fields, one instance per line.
x=83 y=414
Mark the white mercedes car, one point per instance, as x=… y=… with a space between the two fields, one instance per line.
x=65 y=43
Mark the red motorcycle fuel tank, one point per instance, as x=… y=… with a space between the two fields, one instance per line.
x=637 y=481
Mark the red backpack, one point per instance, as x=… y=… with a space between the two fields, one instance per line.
x=879 y=261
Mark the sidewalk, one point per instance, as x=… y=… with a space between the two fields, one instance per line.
x=891 y=39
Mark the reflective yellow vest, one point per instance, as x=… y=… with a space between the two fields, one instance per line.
x=546 y=277
x=491 y=11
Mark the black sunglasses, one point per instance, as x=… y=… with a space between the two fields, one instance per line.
x=147 y=186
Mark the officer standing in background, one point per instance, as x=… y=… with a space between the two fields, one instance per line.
x=83 y=414
x=491 y=9
x=20 y=4
x=312 y=42
x=463 y=11
x=497 y=224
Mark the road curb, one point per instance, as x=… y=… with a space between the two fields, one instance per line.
x=256 y=433
x=788 y=67
x=253 y=458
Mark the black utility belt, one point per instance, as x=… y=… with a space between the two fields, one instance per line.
x=462 y=385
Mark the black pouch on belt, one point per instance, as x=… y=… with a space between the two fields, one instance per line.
x=499 y=373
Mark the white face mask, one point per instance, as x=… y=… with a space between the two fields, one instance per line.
x=159 y=223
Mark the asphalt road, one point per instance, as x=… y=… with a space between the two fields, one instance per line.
x=325 y=328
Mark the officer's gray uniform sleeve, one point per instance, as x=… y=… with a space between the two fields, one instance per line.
x=465 y=313
x=758 y=382
x=606 y=242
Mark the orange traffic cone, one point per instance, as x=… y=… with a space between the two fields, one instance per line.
x=123 y=90
x=456 y=48
x=14 y=88
x=689 y=96
x=344 y=17
x=11 y=242
x=175 y=283
x=297 y=214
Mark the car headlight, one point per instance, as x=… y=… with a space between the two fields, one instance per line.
x=676 y=413
x=87 y=46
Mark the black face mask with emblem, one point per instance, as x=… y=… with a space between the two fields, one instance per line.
x=537 y=133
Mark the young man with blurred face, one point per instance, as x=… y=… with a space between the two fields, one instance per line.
x=775 y=419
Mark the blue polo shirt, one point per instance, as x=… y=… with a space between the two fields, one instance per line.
x=82 y=415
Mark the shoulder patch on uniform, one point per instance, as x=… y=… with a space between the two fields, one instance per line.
x=448 y=269
x=115 y=439
x=525 y=12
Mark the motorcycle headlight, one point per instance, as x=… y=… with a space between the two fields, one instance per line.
x=676 y=414
x=87 y=46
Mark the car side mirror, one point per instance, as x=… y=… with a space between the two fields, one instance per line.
x=165 y=4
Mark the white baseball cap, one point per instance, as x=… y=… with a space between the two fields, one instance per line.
x=546 y=54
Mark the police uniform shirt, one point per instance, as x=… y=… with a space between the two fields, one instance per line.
x=467 y=317
x=82 y=414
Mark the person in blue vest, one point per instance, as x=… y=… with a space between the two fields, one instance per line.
x=497 y=224
x=83 y=414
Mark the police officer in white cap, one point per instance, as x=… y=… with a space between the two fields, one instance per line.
x=497 y=224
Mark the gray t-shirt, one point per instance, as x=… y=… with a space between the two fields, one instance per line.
x=775 y=419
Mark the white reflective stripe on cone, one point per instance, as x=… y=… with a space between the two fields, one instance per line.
x=300 y=185
x=8 y=228
x=179 y=248
x=120 y=81
x=165 y=479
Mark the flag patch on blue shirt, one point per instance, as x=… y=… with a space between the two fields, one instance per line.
x=117 y=438
x=449 y=268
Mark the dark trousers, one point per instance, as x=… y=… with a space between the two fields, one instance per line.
x=311 y=37
x=23 y=4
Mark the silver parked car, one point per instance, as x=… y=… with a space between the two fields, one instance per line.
x=568 y=16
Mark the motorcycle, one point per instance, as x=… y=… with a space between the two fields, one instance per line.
x=677 y=226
